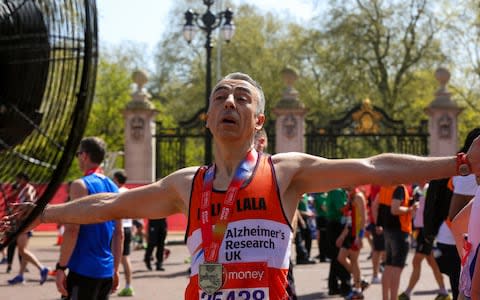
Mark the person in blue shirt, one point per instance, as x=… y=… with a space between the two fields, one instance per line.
x=91 y=253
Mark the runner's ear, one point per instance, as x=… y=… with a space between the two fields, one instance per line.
x=260 y=120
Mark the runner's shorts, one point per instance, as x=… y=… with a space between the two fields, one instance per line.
x=378 y=241
x=396 y=247
x=127 y=240
x=423 y=246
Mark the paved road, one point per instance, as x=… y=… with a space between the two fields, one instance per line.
x=310 y=279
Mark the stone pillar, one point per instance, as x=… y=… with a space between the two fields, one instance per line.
x=140 y=148
x=443 y=118
x=290 y=121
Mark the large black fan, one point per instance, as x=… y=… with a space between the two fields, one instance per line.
x=48 y=60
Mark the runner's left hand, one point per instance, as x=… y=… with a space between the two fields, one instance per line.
x=116 y=280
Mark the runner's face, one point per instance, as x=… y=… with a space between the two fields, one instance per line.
x=81 y=158
x=232 y=110
x=261 y=144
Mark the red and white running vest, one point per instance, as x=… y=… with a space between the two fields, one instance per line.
x=255 y=251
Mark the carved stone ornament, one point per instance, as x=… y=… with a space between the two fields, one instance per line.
x=445 y=127
x=366 y=119
x=289 y=125
x=137 y=126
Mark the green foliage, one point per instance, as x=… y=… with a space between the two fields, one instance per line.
x=375 y=51
x=386 y=51
x=352 y=51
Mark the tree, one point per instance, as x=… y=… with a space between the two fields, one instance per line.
x=376 y=50
x=355 y=49
x=180 y=81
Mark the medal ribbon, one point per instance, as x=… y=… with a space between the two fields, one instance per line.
x=98 y=170
x=212 y=238
x=467 y=248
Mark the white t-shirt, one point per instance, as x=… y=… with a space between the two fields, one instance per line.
x=422 y=194
x=464 y=185
x=125 y=222
x=444 y=235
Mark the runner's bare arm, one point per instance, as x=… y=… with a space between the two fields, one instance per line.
x=299 y=173
x=167 y=196
x=303 y=173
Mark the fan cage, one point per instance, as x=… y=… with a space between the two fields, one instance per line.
x=67 y=50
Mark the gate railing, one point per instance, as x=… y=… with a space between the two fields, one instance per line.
x=364 y=131
x=181 y=146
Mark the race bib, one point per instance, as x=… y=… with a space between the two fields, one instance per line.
x=237 y=294
x=242 y=281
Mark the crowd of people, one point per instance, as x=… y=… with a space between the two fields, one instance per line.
x=380 y=217
x=242 y=208
x=437 y=218
x=91 y=253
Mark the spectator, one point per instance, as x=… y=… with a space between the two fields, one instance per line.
x=378 y=240
x=395 y=219
x=447 y=258
x=336 y=201
x=303 y=240
x=350 y=240
x=139 y=234
x=120 y=178
x=435 y=216
x=261 y=140
x=25 y=192
x=423 y=250
x=157 y=232
x=321 y=222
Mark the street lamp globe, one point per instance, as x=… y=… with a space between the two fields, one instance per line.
x=228 y=28
x=189 y=27
x=208 y=22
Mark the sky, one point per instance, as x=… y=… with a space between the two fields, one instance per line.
x=143 y=21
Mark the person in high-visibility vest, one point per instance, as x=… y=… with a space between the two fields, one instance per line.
x=395 y=220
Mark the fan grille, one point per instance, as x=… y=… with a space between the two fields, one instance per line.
x=48 y=58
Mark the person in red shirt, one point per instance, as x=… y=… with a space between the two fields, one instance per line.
x=25 y=193
x=350 y=240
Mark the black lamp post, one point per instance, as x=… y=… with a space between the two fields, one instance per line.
x=208 y=22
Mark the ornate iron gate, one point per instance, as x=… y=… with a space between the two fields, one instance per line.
x=184 y=146
x=181 y=146
x=366 y=130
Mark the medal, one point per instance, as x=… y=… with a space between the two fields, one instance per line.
x=210 y=277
